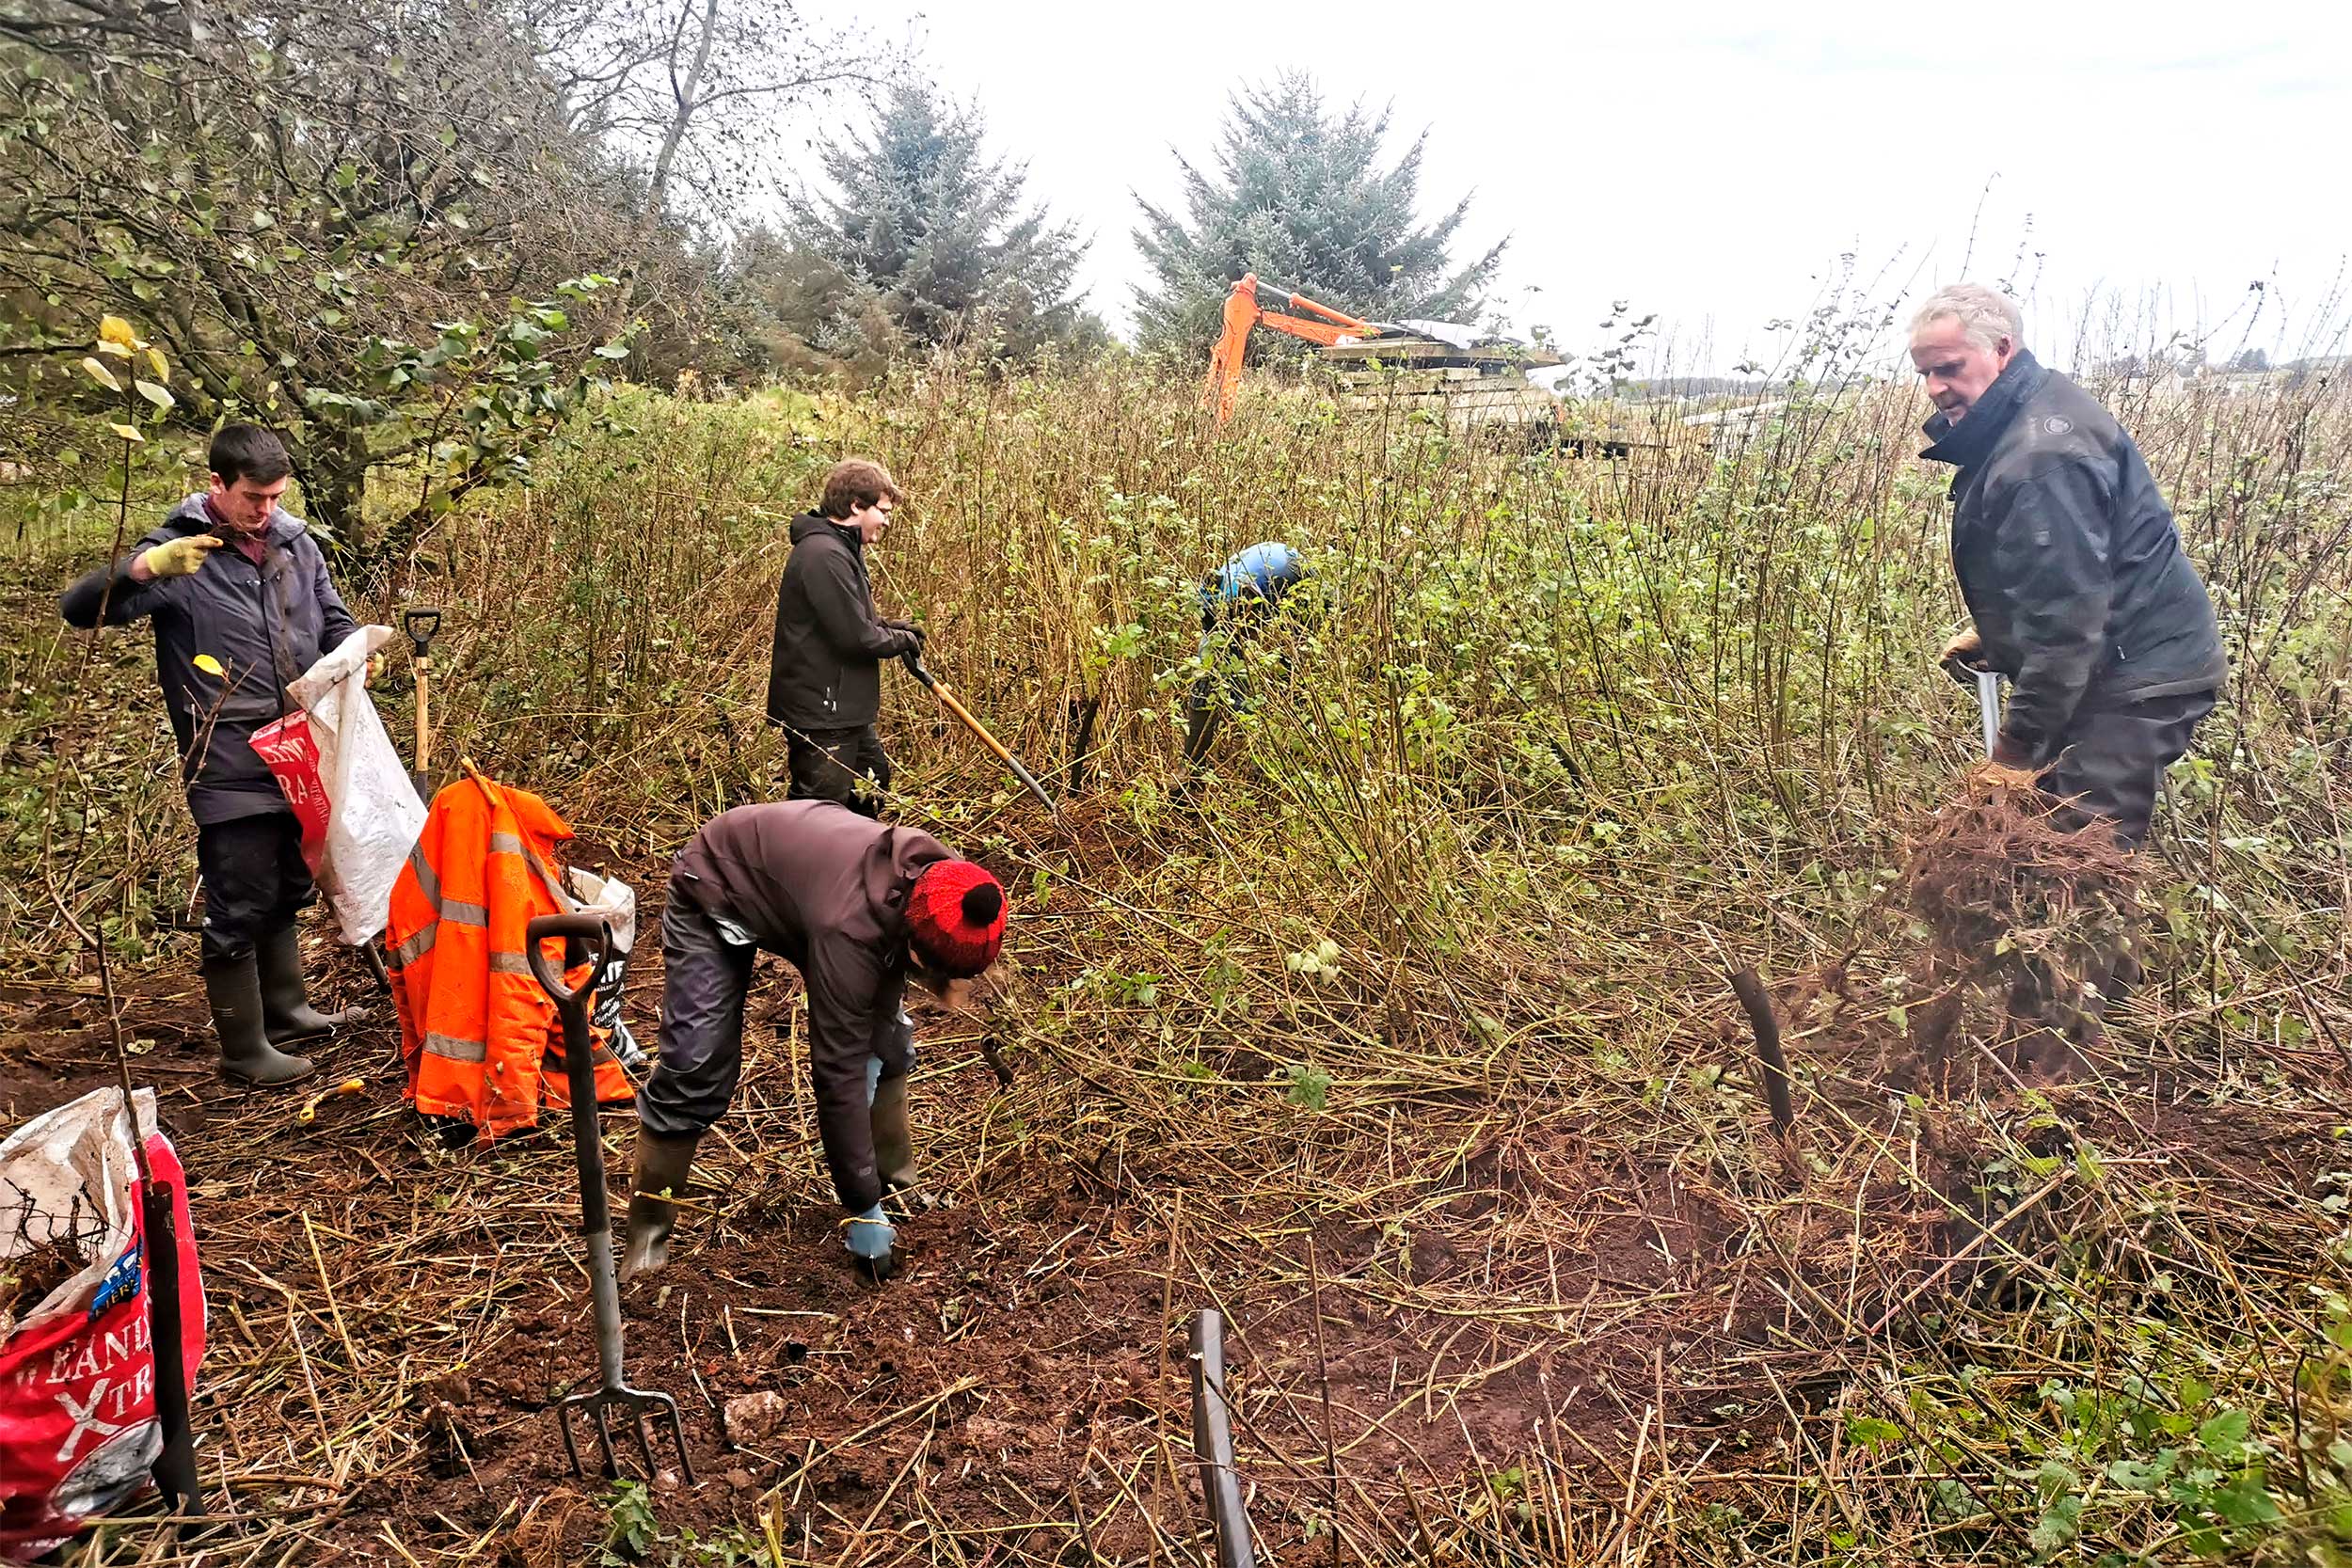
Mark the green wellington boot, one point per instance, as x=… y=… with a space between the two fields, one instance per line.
x=894 y=1140
x=287 y=1015
x=234 y=987
x=661 y=1168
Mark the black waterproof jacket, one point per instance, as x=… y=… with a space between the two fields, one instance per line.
x=826 y=670
x=263 y=626
x=827 y=889
x=2069 y=560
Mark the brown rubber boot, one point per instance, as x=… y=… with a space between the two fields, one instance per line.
x=234 y=987
x=663 y=1165
x=287 y=1015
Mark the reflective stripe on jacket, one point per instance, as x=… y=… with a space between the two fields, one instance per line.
x=481 y=1039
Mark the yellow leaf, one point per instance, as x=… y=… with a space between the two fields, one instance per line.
x=207 y=663
x=114 y=351
x=126 y=432
x=154 y=393
x=114 y=329
x=163 y=370
x=100 y=374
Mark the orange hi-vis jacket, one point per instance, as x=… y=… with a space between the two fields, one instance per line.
x=482 y=1039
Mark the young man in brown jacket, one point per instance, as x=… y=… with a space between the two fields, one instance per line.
x=859 y=909
x=824 y=678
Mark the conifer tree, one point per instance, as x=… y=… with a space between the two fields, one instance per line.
x=1299 y=196
x=924 y=239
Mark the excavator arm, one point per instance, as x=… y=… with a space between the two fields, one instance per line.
x=1295 y=314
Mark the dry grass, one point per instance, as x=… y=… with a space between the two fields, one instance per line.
x=1489 y=1197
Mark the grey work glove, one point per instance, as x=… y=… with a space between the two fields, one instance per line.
x=870 y=1239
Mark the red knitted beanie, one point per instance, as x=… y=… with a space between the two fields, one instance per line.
x=955 y=918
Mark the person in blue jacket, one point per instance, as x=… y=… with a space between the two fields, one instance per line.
x=1236 y=600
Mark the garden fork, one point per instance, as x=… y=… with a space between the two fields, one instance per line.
x=637 y=1406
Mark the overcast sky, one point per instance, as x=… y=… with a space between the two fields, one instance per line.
x=1710 y=161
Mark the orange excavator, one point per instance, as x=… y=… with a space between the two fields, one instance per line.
x=1469 y=381
x=1246 y=307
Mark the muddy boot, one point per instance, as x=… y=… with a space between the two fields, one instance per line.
x=662 y=1164
x=287 y=1015
x=234 y=989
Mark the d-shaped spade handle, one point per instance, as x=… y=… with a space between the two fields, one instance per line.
x=586 y=928
x=422 y=624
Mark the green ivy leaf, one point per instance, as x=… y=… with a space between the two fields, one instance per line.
x=2134 y=1476
x=2057 y=1525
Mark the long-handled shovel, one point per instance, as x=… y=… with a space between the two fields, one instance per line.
x=612 y=1394
x=422 y=623
x=948 y=700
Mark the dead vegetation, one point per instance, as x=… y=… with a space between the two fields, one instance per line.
x=2032 y=923
x=1401 y=1039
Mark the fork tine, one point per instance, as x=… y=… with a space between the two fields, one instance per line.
x=571 y=1449
x=604 y=1439
x=678 y=1435
x=644 y=1443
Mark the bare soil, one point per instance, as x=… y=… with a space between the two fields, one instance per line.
x=393 y=1326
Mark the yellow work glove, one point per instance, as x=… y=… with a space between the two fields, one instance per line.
x=179 y=557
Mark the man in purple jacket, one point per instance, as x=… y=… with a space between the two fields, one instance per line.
x=859 y=909
x=242 y=606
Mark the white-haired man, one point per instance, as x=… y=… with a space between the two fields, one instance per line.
x=2070 y=567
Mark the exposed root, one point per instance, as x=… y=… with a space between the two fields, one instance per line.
x=2028 y=918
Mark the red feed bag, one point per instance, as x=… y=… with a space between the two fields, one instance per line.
x=78 y=1429
x=294 y=757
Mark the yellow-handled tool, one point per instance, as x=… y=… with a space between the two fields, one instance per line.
x=420 y=624
x=311 y=1107
x=948 y=700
